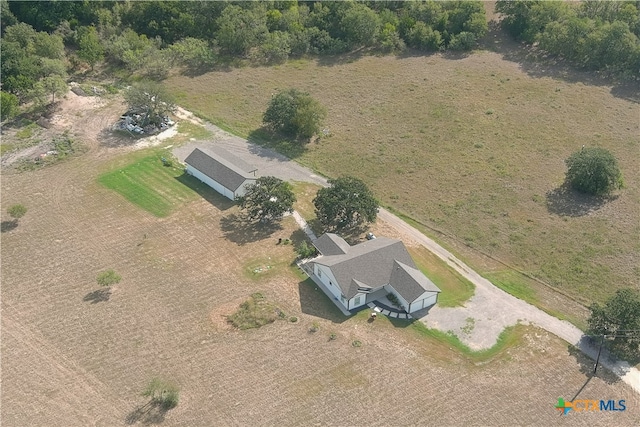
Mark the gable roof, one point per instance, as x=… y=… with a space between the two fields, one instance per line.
x=410 y=282
x=331 y=244
x=372 y=264
x=221 y=166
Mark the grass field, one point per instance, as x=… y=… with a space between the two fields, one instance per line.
x=473 y=146
x=82 y=360
x=456 y=290
x=149 y=184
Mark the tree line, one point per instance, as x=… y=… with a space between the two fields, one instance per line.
x=595 y=34
x=41 y=40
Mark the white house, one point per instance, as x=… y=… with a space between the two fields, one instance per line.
x=221 y=170
x=360 y=274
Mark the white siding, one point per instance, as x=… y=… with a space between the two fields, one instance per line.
x=425 y=300
x=210 y=182
x=326 y=277
x=352 y=301
x=242 y=190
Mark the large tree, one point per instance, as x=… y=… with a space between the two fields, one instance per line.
x=294 y=113
x=593 y=170
x=90 y=47
x=150 y=99
x=8 y=106
x=268 y=199
x=347 y=203
x=619 y=320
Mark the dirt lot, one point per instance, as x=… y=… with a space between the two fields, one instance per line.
x=75 y=357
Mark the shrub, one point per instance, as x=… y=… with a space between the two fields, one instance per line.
x=594 y=171
x=17 y=211
x=315 y=326
x=293 y=319
x=462 y=41
x=162 y=393
x=357 y=343
x=305 y=250
x=332 y=336
x=108 y=278
x=254 y=313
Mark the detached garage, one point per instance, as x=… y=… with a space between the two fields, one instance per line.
x=221 y=170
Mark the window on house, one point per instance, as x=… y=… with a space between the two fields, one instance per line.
x=357 y=301
x=330 y=282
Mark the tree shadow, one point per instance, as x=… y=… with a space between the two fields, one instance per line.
x=100 y=295
x=565 y=201
x=6 y=226
x=147 y=414
x=241 y=230
x=538 y=64
x=206 y=192
x=199 y=70
x=117 y=138
x=340 y=59
x=314 y=302
x=266 y=144
x=352 y=235
x=587 y=364
x=297 y=237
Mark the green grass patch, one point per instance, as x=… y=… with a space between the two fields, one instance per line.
x=509 y=281
x=158 y=189
x=255 y=312
x=6 y=147
x=456 y=290
x=188 y=131
x=28 y=131
x=440 y=341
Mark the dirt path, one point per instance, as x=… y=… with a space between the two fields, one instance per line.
x=479 y=323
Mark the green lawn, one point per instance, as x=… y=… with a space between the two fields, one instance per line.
x=153 y=187
x=456 y=290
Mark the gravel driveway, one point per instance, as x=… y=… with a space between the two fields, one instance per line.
x=479 y=323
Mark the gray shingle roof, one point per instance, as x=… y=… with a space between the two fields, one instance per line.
x=221 y=166
x=410 y=282
x=373 y=263
x=331 y=244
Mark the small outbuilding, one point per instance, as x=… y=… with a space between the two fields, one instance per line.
x=227 y=174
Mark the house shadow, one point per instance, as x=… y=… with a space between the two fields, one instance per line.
x=6 y=226
x=565 y=201
x=99 y=295
x=586 y=363
x=241 y=230
x=206 y=192
x=316 y=303
x=148 y=414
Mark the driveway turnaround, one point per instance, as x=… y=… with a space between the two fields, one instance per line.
x=479 y=323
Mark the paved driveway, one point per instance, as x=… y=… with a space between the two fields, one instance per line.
x=490 y=309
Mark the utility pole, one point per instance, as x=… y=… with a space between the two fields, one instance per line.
x=595 y=368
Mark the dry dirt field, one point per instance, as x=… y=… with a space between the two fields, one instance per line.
x=72 y=356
